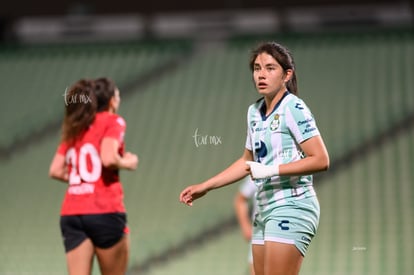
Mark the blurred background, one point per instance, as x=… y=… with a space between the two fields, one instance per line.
x=182 y=68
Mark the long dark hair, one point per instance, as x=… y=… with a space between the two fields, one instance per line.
x=282 y=55
x=104 y=91
x=80 y=109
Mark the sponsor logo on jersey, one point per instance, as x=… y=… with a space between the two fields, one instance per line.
x=299 y=106
x=257 y=127
x=306 y=121
x=283 y=226
x=120 y=121
x=309 y=130
x=306 y=239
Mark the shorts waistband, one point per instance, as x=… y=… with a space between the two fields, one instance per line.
x=296 y=193
x=283 y=196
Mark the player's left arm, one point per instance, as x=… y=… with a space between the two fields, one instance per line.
x=58 y=169
x=302 y=126
x=316 y=159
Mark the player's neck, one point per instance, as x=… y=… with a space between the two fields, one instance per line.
x=272 y=100
x=111 y=110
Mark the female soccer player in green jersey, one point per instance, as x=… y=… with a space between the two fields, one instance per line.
x=283 y=149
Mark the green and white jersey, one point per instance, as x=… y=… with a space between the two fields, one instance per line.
x=274 y=140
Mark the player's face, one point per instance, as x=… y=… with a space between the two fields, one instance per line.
x=116 y=101
x=268 y=75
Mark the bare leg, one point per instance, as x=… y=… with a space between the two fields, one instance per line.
x=258 y=258
x=80 y=259
x=251 y=268
x=281 y=259
x=114 y=260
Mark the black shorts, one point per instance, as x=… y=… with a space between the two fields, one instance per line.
x=104 y=230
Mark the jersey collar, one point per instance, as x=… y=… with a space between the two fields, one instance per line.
x=263 y=107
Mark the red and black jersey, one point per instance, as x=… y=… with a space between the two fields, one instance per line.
x=93 y=189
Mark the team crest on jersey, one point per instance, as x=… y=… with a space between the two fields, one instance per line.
x=275 y=123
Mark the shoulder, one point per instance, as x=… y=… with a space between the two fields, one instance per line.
x=119 y=120
x=256 y=106
x=294 y=103
x=106 y=117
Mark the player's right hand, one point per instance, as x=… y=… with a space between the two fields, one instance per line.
x=132 y=160
x=191 y=193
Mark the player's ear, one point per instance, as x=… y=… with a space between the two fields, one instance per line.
x=112 y=104
x=288 y=75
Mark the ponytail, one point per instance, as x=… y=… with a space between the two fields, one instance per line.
x=80 y=109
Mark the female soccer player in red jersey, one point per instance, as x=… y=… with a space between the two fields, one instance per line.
x=91 y=152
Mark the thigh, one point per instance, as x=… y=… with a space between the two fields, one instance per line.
x=80 y=259
x=294 y=223
x=114 y=260
x=281 y=259
x=258 y=258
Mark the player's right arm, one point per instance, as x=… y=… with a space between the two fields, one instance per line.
x=231 y=174
x=112 y=159
x=58 y=169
